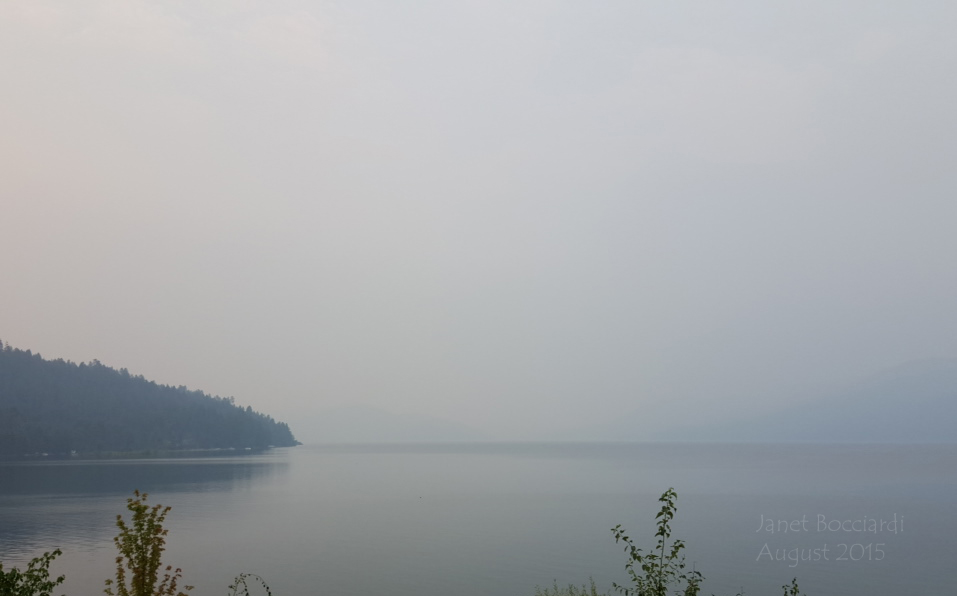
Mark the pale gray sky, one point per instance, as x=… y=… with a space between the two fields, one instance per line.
x=520 y=216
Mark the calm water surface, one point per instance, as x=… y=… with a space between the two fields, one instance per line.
x=500 y=519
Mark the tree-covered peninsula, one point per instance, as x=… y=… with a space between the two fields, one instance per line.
x=59 y=407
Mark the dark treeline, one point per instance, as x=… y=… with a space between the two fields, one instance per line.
x=58 y=407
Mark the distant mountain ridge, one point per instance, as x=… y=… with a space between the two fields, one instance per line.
x=60 y=407
x=915 y=402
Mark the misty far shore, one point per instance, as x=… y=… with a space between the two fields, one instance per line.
x=911 y=403
x=61 y=409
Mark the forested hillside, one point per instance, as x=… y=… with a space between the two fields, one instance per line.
x=58 y=407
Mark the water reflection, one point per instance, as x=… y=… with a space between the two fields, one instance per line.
x=44 y=505
x=480 y=519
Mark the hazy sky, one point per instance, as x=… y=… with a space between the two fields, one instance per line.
x=523 y=216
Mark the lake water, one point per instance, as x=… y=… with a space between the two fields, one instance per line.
x=500 y=519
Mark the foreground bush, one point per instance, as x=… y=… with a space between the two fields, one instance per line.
x=141 y=547
x=240 y=585
x=35 y=581
x=570 y=590
x=656 y=572
x=662 y=567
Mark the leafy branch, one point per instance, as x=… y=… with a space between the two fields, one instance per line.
x=662 y=567
x=34 y=581
x=141 y=547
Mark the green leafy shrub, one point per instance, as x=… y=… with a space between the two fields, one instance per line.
x=34 y=581
x=240 y=585
x=793 y=589
x=663 y=568
x=141 y=548
x=570 y=590
x=655 y=572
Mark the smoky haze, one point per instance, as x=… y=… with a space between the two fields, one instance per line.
x=518 y=218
